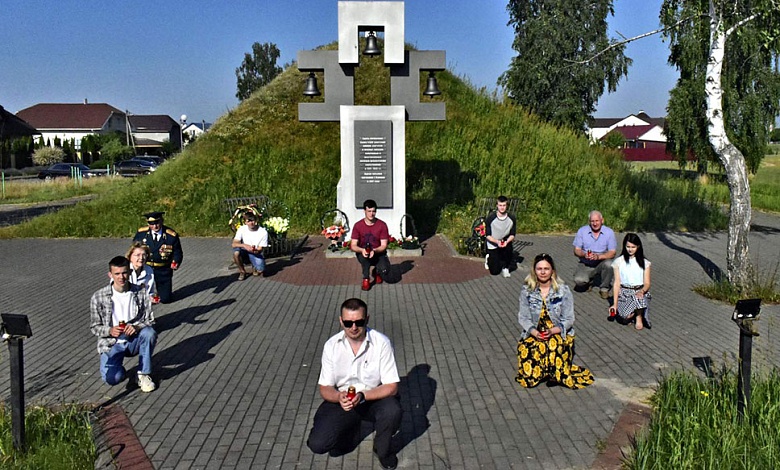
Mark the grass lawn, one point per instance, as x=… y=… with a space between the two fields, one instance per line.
x=21 y=191
x=764 y=192
x=56 y=438
x=695 y=425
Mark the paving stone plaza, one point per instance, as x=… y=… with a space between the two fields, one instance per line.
x=237 y=363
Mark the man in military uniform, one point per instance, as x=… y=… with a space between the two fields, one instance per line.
x=166 y=254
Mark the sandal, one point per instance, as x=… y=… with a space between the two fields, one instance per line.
x=242 y=276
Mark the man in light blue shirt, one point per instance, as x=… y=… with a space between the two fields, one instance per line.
x=595 y=245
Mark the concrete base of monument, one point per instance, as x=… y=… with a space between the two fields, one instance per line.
x=396 y=253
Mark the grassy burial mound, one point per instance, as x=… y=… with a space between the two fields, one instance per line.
x=485 y=147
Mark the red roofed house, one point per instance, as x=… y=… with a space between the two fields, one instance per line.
x=73 y=120
x=644 y=136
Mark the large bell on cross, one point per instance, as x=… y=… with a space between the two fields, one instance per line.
x=372 y=47
x=311 y=86
x=433 y=88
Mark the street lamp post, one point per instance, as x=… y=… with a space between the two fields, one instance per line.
x=182 y=123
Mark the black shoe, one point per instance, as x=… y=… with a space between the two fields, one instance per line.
x=389 y=463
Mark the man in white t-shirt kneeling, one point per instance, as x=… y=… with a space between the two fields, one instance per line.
x=249 y=242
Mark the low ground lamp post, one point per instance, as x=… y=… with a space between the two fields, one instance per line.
x=745 y=313
x=15 y=328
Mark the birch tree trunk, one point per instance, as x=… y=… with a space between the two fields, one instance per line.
x=737 y=260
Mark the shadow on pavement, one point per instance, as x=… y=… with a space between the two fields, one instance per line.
x=418 y=392
x=710 y=268
x=188 y=315
x=764 y=229
x=189 y=353
x=218 y=283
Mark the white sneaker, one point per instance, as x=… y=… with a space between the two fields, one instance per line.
x=145 y=382
x=486 y=264
x=505 y=272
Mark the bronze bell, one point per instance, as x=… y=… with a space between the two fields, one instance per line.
x=433 y=88
x=372 y=47
x=311 y=86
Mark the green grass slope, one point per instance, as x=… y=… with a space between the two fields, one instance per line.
x=483 y=149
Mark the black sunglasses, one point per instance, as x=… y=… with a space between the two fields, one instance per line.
x=358 y=323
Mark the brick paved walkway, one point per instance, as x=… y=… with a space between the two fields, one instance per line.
x=237 y=362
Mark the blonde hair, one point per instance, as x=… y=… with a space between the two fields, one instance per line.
x=532 y=281
x=134 y=246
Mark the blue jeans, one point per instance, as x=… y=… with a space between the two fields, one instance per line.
x=258 y=261
x=141 y=345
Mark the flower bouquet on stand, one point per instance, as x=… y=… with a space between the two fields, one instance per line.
x=337 y=230
x=334 y=233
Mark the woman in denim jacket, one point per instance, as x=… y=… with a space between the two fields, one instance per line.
x=546 y=348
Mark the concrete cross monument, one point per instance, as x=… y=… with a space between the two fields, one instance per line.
x=373 y=138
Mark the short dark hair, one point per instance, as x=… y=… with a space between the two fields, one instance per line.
x=118 y=262
x=502 y=198
x=250 y=216
x=354 y=304
x=369 y=204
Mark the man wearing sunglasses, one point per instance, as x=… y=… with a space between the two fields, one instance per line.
x=362 y=358
x=165 y=252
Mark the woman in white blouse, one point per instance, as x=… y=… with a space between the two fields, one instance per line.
x=141 y=273
x=631 y=288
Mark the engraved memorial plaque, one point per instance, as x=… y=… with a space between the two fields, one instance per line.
x=373 y=163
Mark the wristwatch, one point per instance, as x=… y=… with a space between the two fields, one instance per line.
x=362 y=398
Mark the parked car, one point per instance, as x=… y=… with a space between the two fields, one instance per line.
x=134 y=167
x=149 y=158
x=66 y=169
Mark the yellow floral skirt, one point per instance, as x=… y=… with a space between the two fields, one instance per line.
x=550 y=360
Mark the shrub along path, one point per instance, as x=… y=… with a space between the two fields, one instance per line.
x=237 y=362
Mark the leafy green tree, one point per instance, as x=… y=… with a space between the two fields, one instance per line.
x=114 y=151
x=750 y=82
x=257 y=69
x=728 y=95
x=775 y=136
x=564 y=60
x=613 y=140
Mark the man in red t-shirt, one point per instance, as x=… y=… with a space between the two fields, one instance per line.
x=369 y=242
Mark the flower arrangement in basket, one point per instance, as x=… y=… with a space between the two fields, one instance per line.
x=334 y=233
x=277 y=226
x=479 y=230
x=337 y=231
x=237 y=219
x=410 y=242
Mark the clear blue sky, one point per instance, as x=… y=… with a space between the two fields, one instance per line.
x=153 y=57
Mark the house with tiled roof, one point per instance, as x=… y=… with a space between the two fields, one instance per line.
x=151 y=131
x=73 y=120
x=643 y=136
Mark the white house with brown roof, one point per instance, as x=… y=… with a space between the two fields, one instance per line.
x=152 y=130
x=73 y=120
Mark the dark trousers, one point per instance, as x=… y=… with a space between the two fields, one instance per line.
x=163 y=279
x=334 y=428
x=381 y=261
x=499 y=258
